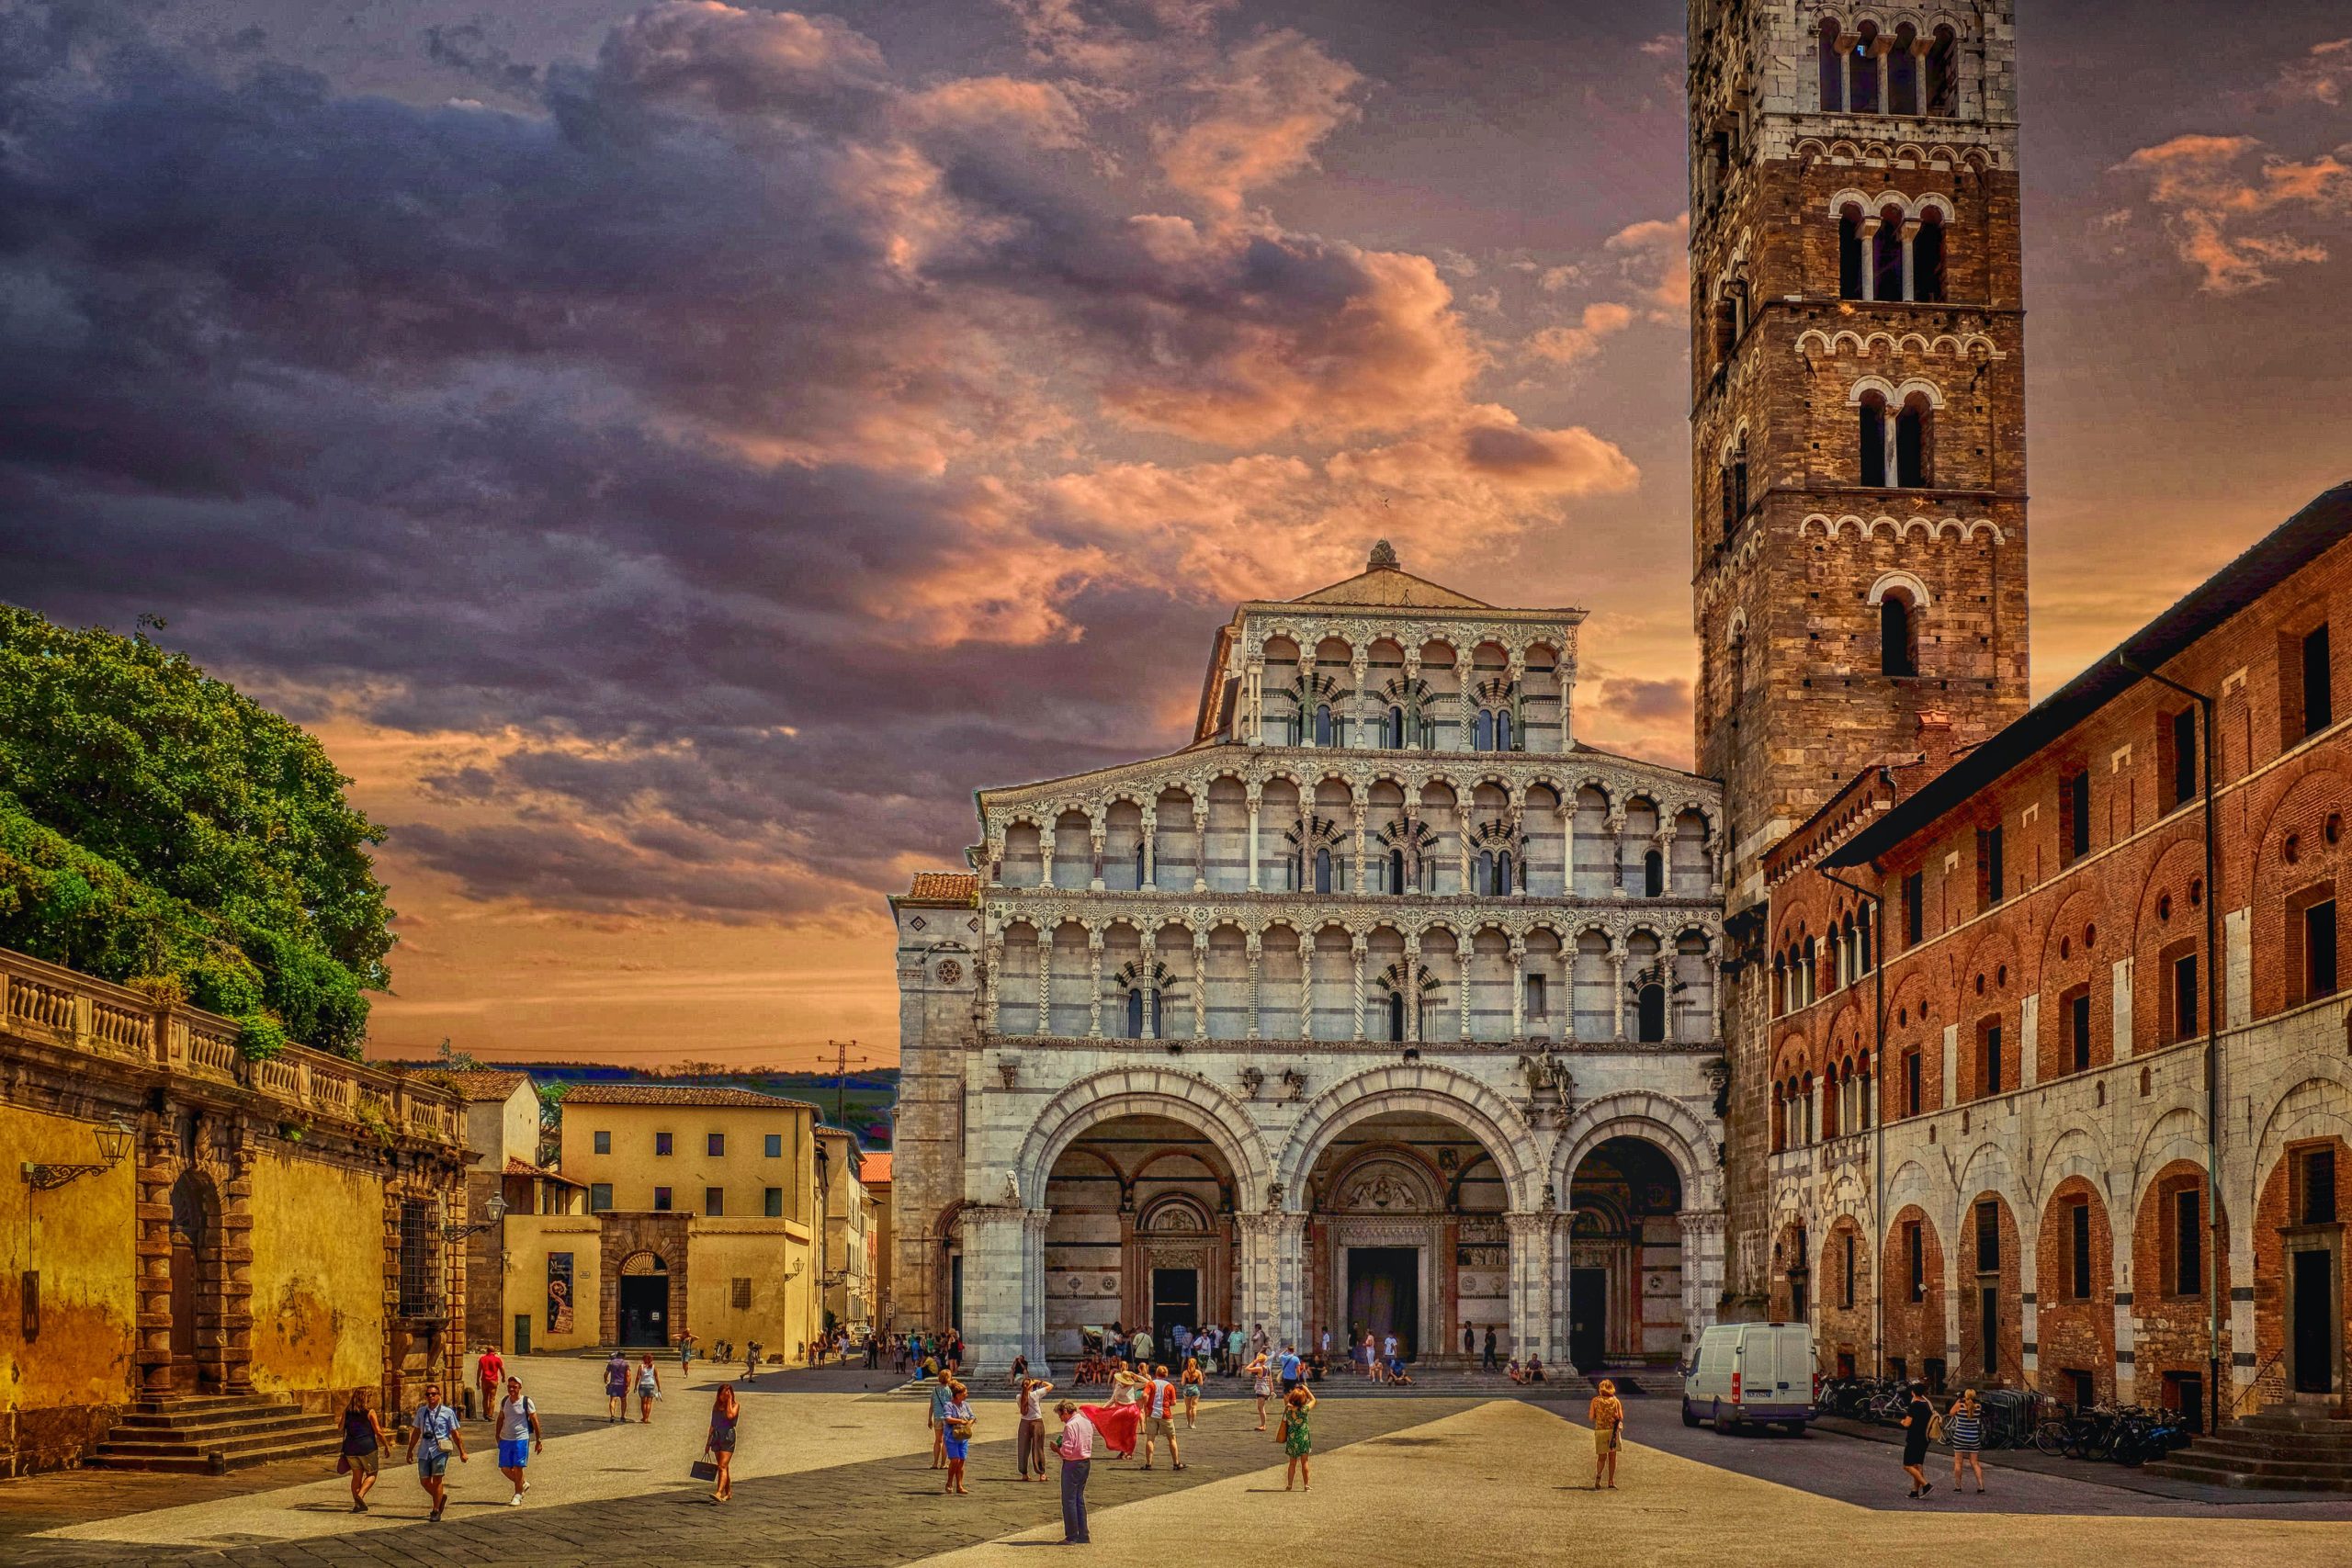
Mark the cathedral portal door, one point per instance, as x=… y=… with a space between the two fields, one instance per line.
x=1588 y=1317
x=1175 y=1298
x=1384 y=1294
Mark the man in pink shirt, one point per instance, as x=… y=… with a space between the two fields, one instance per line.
x=1160 y=1417
x=1077 y=1447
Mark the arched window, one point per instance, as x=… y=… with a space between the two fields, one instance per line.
x=1726 y=329
x=1323 y=724
x=1396 y=1015
x=1862 y=932
x=1862 y=75
x=1654 y=874
x=1911 y=444
x=1392 y=729
x=1485 y=735
x=1651 y=1009
x=1887 y=257
x=1323 y=870
x=1871 y=440
x=1502 y=873
x=1780 y=985
x=1487 y=870
x=1833 y=68
x=1849 y=254
x=1135 y=1012
x=1139 y=862
x=1943 y=77
x=1812 y=972
x=1503 y=737
x=1927 y=258
x=1898 y=638
x=1903 y=74
x=1804 y=1092
x=1396 y=871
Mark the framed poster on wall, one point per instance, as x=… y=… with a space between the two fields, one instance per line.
x=559 y=1292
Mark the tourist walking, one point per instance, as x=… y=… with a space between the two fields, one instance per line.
x=685 y=1360
x=1298 y=1440
x=1029 y=1438
x=1488 y=1363
x=1917 y=1414
x=955 y=1422
x=490 y=1376
x=1964 y=1430
x=431 y=1434
x=1469 y=1339
x=1076 y=1447
x=363 y=1449
x=648 y=1388
x=518 y=1437
x=1606 y=1415
x=1264 y=1376
x=1289 y=1365
x=942 y=1395
x=719 y=1443
x=1233 y=1343
x=617 y=1388
x=1191 y=1384
x=1160 y=1417
x=751 y=1362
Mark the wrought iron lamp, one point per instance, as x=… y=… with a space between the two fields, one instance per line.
x=114 y=1142
x=492 y=1212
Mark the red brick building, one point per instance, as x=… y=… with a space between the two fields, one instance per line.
x=1992 y=977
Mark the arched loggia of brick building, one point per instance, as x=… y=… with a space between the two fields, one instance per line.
x=2171 y=1256
x=1992 y=1324
x=2303 y=1342
x=2075 y=1276
x=1916 y=1328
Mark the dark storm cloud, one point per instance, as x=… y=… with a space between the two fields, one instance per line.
x=663 y=431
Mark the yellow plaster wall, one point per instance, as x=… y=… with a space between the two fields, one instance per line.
x=83 y=1240
x=529 y=1239
x=781 y=1316
x=318 y=1276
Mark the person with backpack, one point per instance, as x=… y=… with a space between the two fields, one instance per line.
x=1917 y=1415
x=518 y=1437
x=1964 y=1430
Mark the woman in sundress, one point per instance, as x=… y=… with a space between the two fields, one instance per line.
x=1121 y=1421
x=1298 y=1440
x=1191 y=1384
x=1262 y=1380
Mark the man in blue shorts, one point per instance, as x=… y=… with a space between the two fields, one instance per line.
x=518 y=1437
x=430 y=1438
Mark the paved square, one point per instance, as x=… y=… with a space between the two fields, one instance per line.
x=829 y=1474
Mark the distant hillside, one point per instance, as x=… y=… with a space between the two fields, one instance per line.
x=864 y=1097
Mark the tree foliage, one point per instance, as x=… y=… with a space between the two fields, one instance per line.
x=159 y=827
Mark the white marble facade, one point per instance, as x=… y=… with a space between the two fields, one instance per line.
x=1383 y=927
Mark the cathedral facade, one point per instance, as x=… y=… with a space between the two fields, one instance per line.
x=1383 y=1005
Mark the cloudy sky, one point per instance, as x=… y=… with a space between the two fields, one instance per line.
x=674 y=454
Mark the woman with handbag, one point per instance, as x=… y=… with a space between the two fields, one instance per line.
x=719 y=1444
x=956 y=1422
x=1298 y=1439
x=363 y=1449
x=1607 y=1414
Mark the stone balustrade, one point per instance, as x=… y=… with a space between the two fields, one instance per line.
x=48 y=1005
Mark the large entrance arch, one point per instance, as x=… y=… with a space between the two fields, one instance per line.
x=1141 y=1232
x=1625 y=1297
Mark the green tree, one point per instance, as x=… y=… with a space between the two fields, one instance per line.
x=157 y=827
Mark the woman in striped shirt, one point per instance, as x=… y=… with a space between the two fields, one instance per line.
x=1964 y=1429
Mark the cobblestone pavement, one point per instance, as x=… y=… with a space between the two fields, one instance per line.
x=836 y=1479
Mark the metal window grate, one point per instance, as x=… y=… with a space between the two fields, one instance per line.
x=742 y=1295
x=420 y=1261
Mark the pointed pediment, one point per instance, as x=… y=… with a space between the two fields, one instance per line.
x=1384 y=583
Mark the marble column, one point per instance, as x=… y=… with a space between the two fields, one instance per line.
x=1199 y=845
x=1530 y=1284
x=1044 y=979
x=1412 y=986
x=1001 y=1299
x=1255 y=954
x=1199 y=984
x=1518 y=986
x=1150 y=880
x=1094 y=988
x=1355 y=994
x=1703 y=1270
x=1617 y=994
x=1150 y=978
x=1096 y=830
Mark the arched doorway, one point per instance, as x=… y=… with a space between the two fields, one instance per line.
x=1625 y=1297
x=1141 y=1232
x=1405 y=1236
x=644 y=1300
x=196 y=1274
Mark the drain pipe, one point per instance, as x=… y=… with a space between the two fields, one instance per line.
x=2212 y=1042
x=1878 y=1114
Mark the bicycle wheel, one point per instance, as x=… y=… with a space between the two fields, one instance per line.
x=2051 y=1437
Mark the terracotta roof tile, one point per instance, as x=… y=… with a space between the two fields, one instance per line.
x=678 y=1094
x=876 y=1167
x=524 y=1167
x=963 y=888
x=482 y=1083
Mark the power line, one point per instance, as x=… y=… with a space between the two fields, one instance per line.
x=842 y=1062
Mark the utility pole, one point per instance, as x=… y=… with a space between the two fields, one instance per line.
x=843 y=1063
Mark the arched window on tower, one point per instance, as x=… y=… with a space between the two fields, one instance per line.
x=1323 y=870
x=1392 y=729
x=1726 y=330
x=1898 y=636
x=1650 y=1010
x=1862 y=73
x=1485 y=740
x=1505 y=741
x=1396 y=871
x=1502 y=875
x=1654 y=874
x=1887 y=257
x=1135 y=1012
x=1849 y=254
x=1487 y=871
x=1911 y=432
x=1943 y=74
x=1396 y=1015
x=1323 y=724
x=1138 y=863
x=1927 y=258
x=1872 y=438
x=1833 y=68
x=1903 y=71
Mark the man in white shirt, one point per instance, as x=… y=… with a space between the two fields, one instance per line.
x=1076 y=1447
x=1388 y=1347
x=518 y=1437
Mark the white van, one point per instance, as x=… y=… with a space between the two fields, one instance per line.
x=1750 y=1373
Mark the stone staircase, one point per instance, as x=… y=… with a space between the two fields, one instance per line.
x=2287 y=1447
x=203 y=1434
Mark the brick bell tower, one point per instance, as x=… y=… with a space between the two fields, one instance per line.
x=1857 y=429
x=1858 y=397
